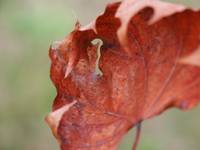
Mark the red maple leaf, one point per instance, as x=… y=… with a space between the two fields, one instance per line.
x=149 y=62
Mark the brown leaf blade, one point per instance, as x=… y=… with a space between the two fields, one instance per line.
x=149 y=60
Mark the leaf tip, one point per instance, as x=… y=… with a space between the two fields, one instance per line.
x=192 y=59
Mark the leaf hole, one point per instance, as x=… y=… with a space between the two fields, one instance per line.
x=98 y=42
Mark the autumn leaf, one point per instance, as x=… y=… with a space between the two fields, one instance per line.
x=150 y=62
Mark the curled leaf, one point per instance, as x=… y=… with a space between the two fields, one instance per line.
x=149 y=61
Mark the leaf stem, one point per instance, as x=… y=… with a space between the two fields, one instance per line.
x=137 y=136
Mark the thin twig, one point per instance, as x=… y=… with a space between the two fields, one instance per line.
x=137 y=136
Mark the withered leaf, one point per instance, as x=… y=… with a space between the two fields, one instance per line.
x=150 y=61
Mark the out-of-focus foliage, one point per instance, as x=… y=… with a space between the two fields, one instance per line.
x=27 y=27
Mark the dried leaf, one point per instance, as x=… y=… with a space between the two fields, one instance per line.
x=149 y=63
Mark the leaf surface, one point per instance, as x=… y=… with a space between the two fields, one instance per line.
x=150 y=61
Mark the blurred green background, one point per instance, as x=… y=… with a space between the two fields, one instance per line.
x=27 y=28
